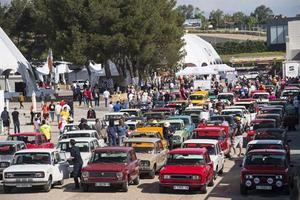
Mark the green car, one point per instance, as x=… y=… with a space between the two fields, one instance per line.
x=181 y=134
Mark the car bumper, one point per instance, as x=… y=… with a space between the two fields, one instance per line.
x=265 y=186
x=24 y=184
x=109 y=182
x=189 y=185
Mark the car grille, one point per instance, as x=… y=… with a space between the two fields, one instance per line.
x=23 y=175
x=103 y=174
x=181 y=177
x=264 y=177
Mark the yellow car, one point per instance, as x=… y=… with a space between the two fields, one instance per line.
x=150 y=132
x=199 y=98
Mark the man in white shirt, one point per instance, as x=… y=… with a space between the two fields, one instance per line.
x=106 y=95
x=58 y=109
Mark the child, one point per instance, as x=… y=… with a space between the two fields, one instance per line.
x=36 y=124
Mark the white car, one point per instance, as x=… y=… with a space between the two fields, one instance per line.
x=214 y=151
x=244 y=122
x=245 y=111
x=226 y=97
x=86 y=146
x=262 y=97
x=83 y=134
x=36 y=167
x=264 y=144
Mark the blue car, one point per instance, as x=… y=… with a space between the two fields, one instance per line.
x=188 y=123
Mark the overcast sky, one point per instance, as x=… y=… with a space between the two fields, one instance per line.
x=285 y=7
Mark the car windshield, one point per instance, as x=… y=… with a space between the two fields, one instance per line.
x=263 y=125
x=25 y=139
x=212 y=137
x=131 y=113
x=210 y=147
x=70 y=128
x=176 y=126
x=109 y=157
x=222 y=118
x=225 y=96
x=32 y=158
x=146 y=135
x=141 y=147
x=131 y=126
x=260 y=96
x=197 y=97
x=154 y=116
x=268 y=136
x=190 y=112
x=65 y=146
x=231 y=112
x=113 y=117
x=76 y=135
x=271 y=111
x=264 y=146
x=185 y=159
x=7 y=149
x=266 y=159
x=290 y=93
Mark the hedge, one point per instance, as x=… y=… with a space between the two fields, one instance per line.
x=234 y=47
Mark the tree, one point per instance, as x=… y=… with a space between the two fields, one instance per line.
x=251 y=22
x=239 y=18
x=216 y=18
x=263 y=14
x=187 y=11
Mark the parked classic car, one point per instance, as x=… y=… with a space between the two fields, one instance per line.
x=111 y=166
x=151 y=152
x=264 y=144
x=36 y=167
x=265 y=169
x=150 y=132
x=7 y=151
x=259 y=124
x=188 y=123
x=214 y=150
x=32 y=140
x=155 y=116
x=186 y=169
x=133 y=112
x=83 y=134
x=180 y=133
x=214 y=133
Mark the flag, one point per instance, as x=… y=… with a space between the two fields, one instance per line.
x=50 y=61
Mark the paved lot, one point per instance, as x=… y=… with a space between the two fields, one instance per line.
x=226 y=187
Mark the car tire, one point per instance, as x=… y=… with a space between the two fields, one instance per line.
x=136 y=181
x=48 y=186
x=211 y=182
x=162 y=189
x=85 y=187
x=152 y=173
x=125 y=186
x=7 y=189
x=203 y=189
x=243 y=190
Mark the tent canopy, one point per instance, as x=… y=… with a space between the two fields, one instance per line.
x=190 y=71
x=223 y=68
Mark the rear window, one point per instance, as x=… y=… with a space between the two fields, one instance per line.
x=7 y=149
x=26 y=139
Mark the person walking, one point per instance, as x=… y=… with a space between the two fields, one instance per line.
x=106 y=95
x=112 y=133
x=111 y=107
x=96 y=96
x=58 y=109
x=77 y=162
x=5 y=120
x=36 y=124
x=168 y=134
x=46 y=130
x=52 y=110
x=21 y=100
x=117 y=107
x=98 y=128
x=238 y=136
x=16 y=121
x=45 y=110
x=91 y=114
x=122 y=132
x=65 y=113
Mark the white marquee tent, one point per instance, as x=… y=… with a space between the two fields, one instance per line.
x=195 y=71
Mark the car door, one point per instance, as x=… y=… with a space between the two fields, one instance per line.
x=133 y=165
x=61 y=166
x=220 y=156
x=162 y=154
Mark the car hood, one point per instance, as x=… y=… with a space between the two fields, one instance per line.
x=183 y=169
x=28 y=168
x=105 y=167
x=6 y=158
x=145 y=156
x=179 y=132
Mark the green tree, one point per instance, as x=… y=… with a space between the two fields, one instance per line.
x=216 y=17
x=251 y=22
x=239 y=19
x=187 y=11
x=262 y=14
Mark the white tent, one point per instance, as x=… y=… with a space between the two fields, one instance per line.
x=222 y=68
x=199 y=52
x=12 y=59
x=196 y=71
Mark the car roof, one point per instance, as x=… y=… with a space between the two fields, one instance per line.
x=179 y=117
x=201 y=141
x=26 y=134
x=79 y=139
x=146 y=140
x=263 y=120
x=280 y=151
x=38 y=150
x=188 y=150
x=265 y=142
x=223 y=116
x=116 y=113
x=80 y=131
x=171 y=121
x=11 y=142
x=116 y=148
x=209 y=128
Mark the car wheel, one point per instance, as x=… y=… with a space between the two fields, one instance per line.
x=136 y=181
x=161 y=189
x=48 y=185
x=85 y=187
x=203 y=189
x=7 y=189
x=243 y=190
x=125 y=186
x=211 y=182
x=152 y=173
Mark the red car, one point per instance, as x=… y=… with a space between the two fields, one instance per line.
x=216 y=124
x=265 y=169
x=111 y=166
x=186 y=169
x=32 y=140
x=258 y=124
x=214 y=133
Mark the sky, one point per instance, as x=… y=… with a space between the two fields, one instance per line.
x=287 y=8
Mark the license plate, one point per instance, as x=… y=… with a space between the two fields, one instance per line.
x=263 y=187
x=180 y=187
x=23 y=185
x=102 y=184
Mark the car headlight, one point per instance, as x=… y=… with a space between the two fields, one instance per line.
x=167 y=176
x=248 y=176
x=145 y=163
x=195 y=177
x=278 y=177
x=119 y=175
x=39 y=175
x=270 y=181
x=4 y=164
x=85 y=174
x=8 y=175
